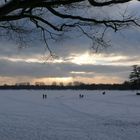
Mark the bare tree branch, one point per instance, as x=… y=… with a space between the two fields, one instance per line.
x=55 y=17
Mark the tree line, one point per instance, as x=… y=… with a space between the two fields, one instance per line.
x=124 y=86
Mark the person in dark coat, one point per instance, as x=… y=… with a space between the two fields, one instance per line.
x=43 y=96
x=103 y=93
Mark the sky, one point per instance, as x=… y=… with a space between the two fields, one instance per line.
x=75 y=62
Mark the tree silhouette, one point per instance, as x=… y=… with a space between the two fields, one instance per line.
x=51 y=19
x=135 y=76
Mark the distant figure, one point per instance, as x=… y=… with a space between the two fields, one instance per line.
x=81 y=95
x=103 y=93
x=43 y=96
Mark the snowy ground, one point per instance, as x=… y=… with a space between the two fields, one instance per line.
x=24 y=115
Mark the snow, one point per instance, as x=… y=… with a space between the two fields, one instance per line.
x=25 y=115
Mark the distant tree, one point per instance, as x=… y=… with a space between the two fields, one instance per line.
x=54 y=83
x=69 y=84
x=126 y=85
x=77 y=83
x=61 y=84
x=135 y=76
x=39 y=83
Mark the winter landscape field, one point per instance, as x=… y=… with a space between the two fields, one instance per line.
x=25 y=115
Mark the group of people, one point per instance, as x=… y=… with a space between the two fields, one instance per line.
x=81 y=96
x=44 y=96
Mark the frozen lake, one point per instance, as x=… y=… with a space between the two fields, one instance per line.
x=25 y=115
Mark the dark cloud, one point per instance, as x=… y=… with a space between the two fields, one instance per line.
x=9 y=68
x=14 y=50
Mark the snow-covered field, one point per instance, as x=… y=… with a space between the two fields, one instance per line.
x=25 y=115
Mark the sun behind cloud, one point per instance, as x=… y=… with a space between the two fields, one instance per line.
x=82 y=59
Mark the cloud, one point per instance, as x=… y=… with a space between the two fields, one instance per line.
x=52 y=70
x=9 y=68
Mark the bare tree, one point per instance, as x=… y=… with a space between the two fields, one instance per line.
x=51 y=19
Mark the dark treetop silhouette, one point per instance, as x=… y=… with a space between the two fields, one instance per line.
x=135 y=77
x=53 y=18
